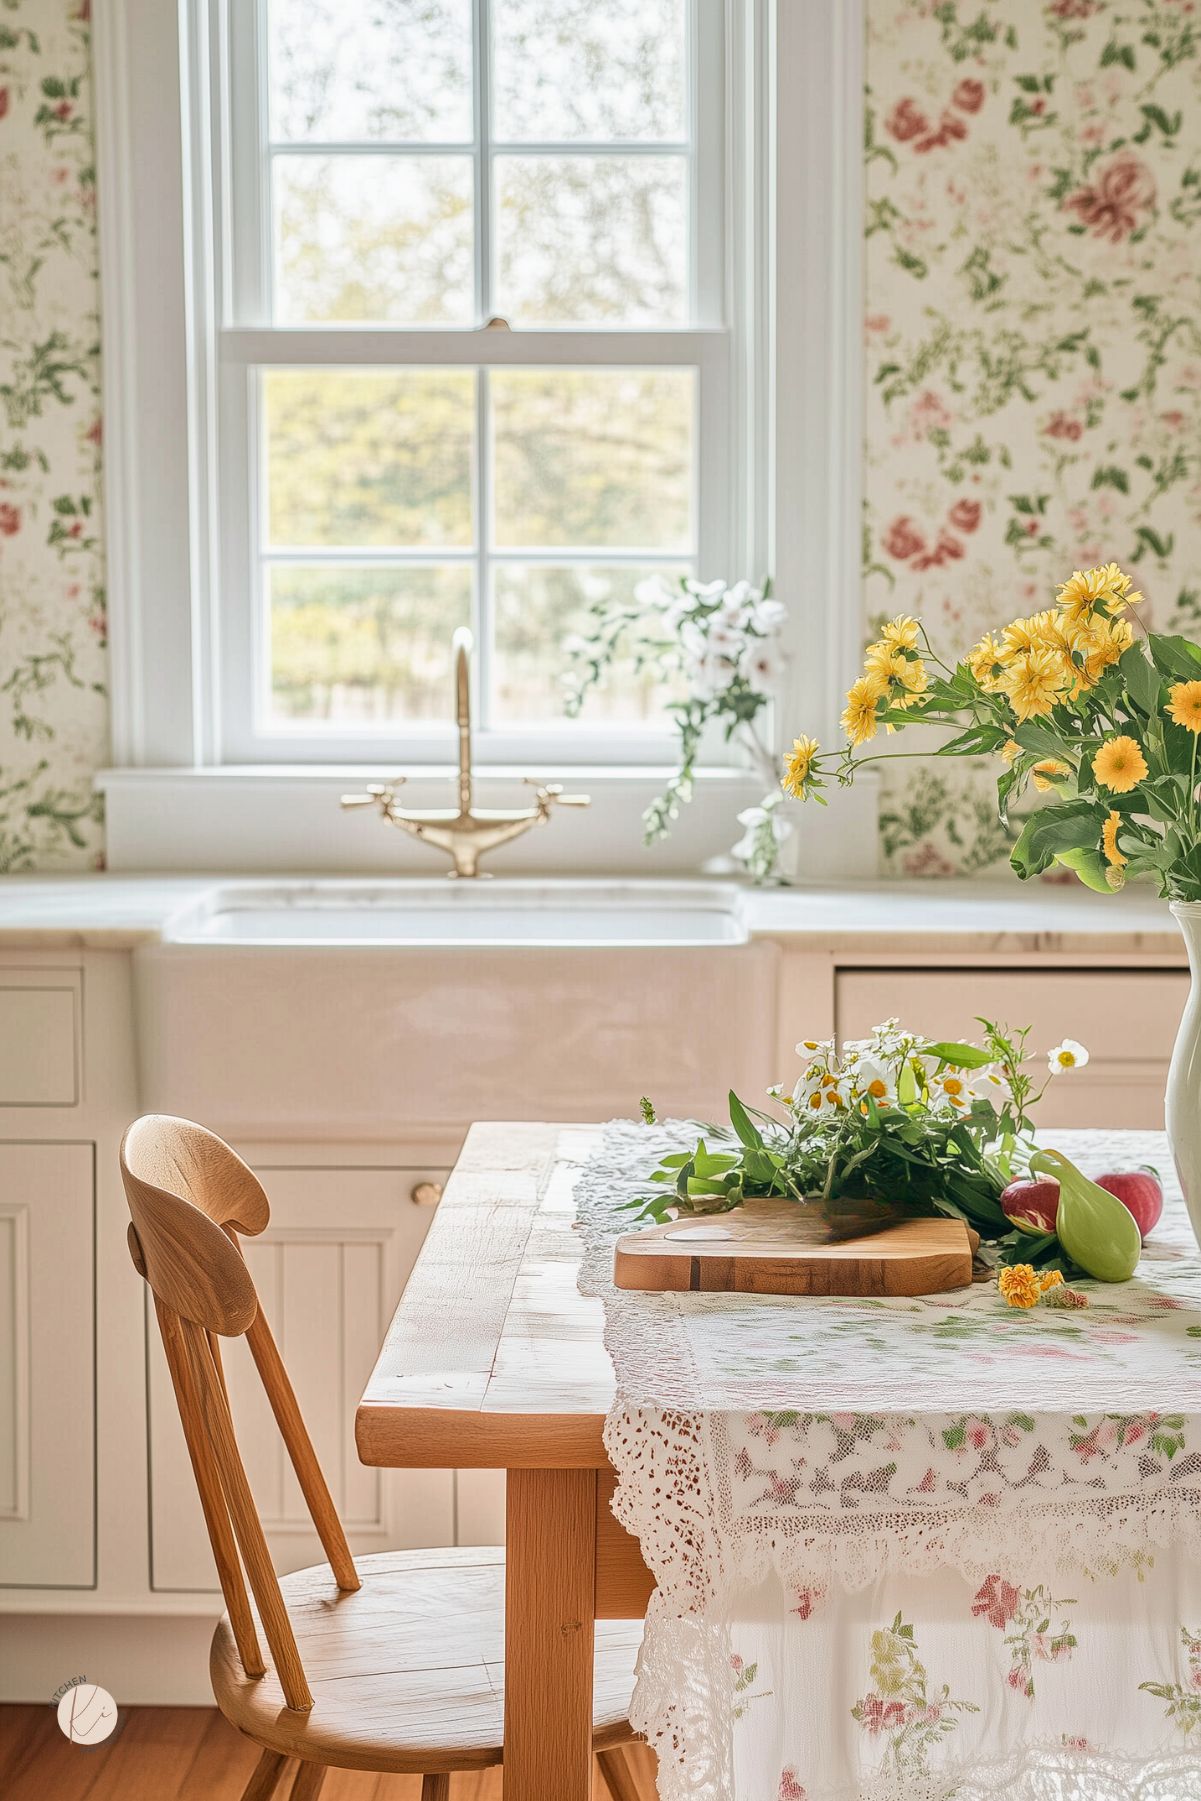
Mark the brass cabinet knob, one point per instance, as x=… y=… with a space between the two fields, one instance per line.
x=425 y=1194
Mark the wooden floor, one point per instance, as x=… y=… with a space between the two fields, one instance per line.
x=186 y=1754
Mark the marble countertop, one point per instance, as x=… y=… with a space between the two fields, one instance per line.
x=120 y=911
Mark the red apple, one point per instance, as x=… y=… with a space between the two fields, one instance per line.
x=1139 y=1192
x=1032 y=1204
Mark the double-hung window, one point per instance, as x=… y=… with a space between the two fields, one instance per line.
x=474 y=361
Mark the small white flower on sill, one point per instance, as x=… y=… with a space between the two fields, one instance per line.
x=1065 y=1056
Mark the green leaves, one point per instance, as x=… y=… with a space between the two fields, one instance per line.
x=1072 y=825
x=1141 y=679
x=963 y=1056
x=1177 y=659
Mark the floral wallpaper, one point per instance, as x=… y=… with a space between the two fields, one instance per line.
x=1033 y=334
x=1032 y=340
x=53 y=709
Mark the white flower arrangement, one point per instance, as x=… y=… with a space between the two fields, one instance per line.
x=720 y=643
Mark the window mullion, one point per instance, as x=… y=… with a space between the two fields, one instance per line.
x=483 y=621
x=482 y=107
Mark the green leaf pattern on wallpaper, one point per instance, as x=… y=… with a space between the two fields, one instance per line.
x=1033 y=334
x=53 y=706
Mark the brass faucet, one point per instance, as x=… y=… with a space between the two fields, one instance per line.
x=466 y=834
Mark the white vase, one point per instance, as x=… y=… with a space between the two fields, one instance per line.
x=1183 y=1104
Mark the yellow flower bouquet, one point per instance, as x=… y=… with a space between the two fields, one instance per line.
x=1102 y=722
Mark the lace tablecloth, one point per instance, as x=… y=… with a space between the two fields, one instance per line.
x=910 y=1550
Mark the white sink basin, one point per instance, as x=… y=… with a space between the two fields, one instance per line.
x=499 y=914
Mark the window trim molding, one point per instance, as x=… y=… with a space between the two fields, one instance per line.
x=795 y=371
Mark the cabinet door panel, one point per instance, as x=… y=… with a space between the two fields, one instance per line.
x=1126 y=1018
x=328 y=1270
x=47 y=1366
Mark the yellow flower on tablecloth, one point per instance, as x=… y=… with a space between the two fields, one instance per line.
x=1120 y=764
x=859 y=715
x=1184 y=705
x=1109 y=841
x=1019 y=1286
x=797 y=763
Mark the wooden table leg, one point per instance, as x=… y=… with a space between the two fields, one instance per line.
x=550 y=1601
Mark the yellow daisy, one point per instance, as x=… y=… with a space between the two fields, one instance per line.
x=1044 y=774
x=914 y=676
x=1009 y=750
x=859 y=716
x=1033 y=683
x=1079 y=597
x=1120 y=765
x=1184 y=705
x=983 y=661
x=797 y=763
x=884 y=659
x=1020 y=636
x=901 y=631
x=1109 y=842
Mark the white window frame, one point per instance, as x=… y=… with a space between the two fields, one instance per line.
x=251 y=345
x=786 y=453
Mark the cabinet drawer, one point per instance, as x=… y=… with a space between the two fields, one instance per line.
x=1126 y=1018
x=39 y=1038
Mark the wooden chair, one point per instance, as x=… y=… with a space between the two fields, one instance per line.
x=396 y=1664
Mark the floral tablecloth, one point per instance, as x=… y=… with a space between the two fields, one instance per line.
x=913 y=1550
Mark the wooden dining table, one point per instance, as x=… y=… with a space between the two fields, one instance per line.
x=495 y=1360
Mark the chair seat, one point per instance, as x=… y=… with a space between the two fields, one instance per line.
x=407 y=1672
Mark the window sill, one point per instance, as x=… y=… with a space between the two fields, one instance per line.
x=286 y=819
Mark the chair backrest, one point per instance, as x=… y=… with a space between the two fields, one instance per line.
x=189 y=1196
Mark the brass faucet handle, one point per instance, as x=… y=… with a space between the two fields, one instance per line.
x=553 y=791
x=377 y=794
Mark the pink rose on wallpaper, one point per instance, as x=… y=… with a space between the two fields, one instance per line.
x=3 y=102
x=927 y=860
x=1072 y=9
x=1113 y=205
x=950 y=130
x=997 y=1600
x=1061 y=426
x=902 y=540
x=906 y=121
x=948 y=549
x=965 y=515
x=928 y=413
x=790 y=1788
x=968 y=95
x=10 y=519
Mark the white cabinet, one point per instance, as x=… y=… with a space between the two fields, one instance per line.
x=328 y=1270
x=1127 y=1018
x=47 y=1366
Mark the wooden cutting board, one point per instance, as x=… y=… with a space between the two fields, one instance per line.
x=773 y=1246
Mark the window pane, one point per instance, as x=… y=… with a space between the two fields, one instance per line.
x=593 y=457
x=536 y=606
x=355 y=645
x=369 y=456
x=588 y=240
x=356 y=73
x=374 y=238
x=593 y=69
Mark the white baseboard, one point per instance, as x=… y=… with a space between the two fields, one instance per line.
x=142 y=1660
